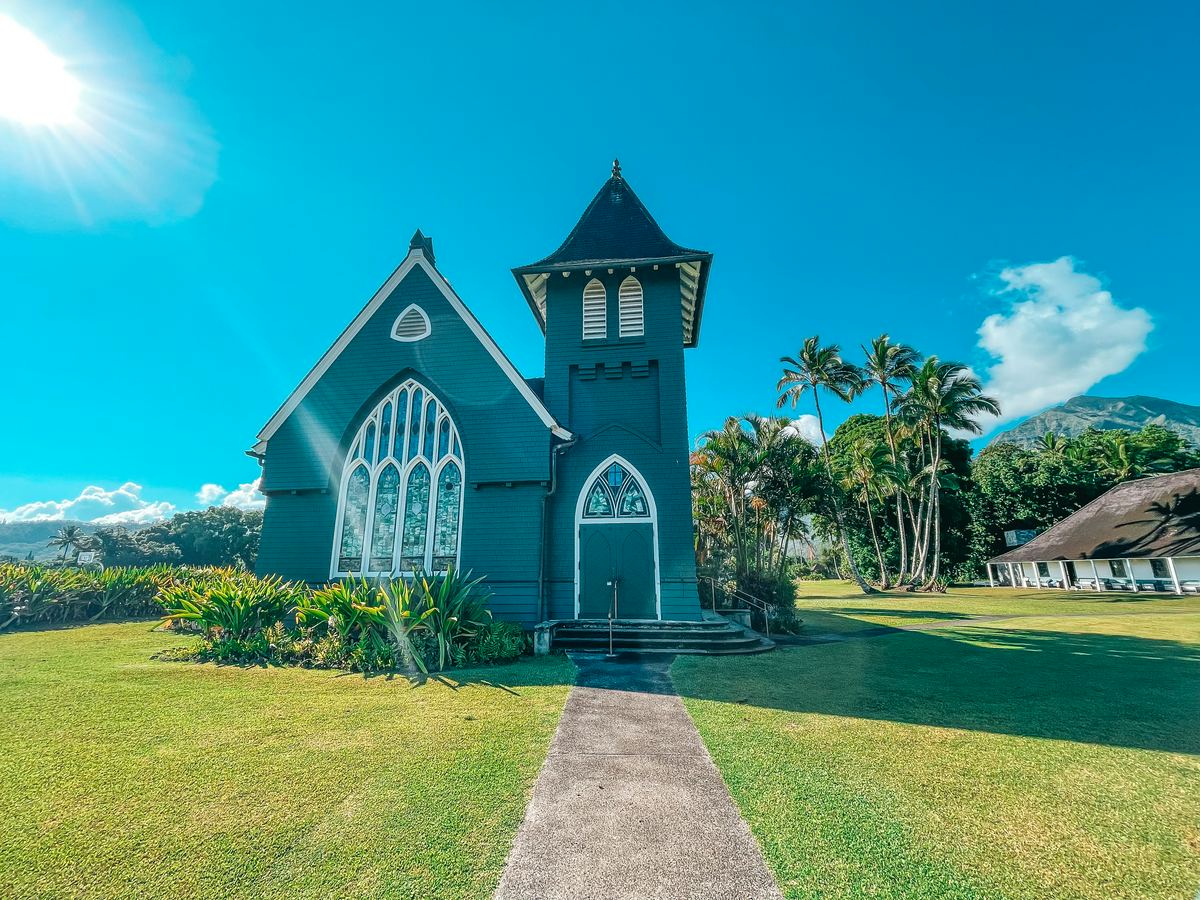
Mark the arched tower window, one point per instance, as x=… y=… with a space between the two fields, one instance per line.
x=629 y=298
x=616 y=493
x=595 y=311
x=400 y=497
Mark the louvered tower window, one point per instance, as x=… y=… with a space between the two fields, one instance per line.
x=595 y=311
x=630 y=300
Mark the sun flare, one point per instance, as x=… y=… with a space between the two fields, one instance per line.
x=35 y=86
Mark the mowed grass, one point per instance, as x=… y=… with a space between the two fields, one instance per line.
x=838 y=606
x=125 y=776
x=1054 y=756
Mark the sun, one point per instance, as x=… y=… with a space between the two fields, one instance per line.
x=35 y=86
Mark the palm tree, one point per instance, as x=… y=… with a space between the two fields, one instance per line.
x=869 y=472
x=69 y=537
x=813 y=369
x=944 y=395
x=887 y=365
x=1052 y=444
x=1121 y=459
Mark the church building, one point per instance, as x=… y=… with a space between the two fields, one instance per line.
x=415 y=445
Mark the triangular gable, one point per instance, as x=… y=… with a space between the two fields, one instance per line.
x=416 y=258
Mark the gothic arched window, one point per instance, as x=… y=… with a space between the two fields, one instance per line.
x=400 y=497
x=629 y=307
x=595 y=311
x=616 y=493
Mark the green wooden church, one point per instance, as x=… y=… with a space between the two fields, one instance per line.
x=414 y=444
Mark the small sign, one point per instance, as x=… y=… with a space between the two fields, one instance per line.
x=86 y=556
x=1018 y=537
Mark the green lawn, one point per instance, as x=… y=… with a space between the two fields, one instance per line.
x=1056 y=755
x=125 y=776
x=838 y=606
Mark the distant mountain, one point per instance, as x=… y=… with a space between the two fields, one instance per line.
x=1121 y=413
x=18 y=538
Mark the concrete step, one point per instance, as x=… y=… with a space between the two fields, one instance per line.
x=706 y=637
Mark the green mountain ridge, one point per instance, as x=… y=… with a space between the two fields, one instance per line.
x=19 y=538
x=1106 y=413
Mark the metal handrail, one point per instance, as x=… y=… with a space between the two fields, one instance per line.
x=739 y=594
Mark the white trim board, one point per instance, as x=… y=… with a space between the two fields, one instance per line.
x=580 y=521
x=415 y=258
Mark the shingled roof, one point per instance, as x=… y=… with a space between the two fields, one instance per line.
x=1143 y=519
x=616 y=229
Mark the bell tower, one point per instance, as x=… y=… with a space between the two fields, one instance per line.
x=619 y=302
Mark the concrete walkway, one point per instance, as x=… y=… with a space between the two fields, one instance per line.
x=629 y=804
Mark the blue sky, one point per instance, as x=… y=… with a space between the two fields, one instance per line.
x=246 y=175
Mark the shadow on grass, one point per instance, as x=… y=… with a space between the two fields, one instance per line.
x=1097 y=688
x=938 y=614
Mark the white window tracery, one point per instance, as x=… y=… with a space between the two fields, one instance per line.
x=401 y=491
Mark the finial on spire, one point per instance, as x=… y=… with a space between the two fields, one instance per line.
x=616 y=168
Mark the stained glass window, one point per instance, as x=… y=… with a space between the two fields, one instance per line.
x=385 y=430
x=443 y=439
x=616 y=493
x=445 y=527
x=416 y=520
x=598 y=504
x=354 y=520
x=401 y=424
x=616 y=476
x=430 y=427
x=369 y=444
x=409 y=501
x=414 y=423
x=383 y=524
x=633 y=501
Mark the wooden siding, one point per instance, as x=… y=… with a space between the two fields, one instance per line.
x=635 y=406
x=503 y=441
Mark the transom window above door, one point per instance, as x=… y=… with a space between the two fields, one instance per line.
x=400 y=500
x=616 y=494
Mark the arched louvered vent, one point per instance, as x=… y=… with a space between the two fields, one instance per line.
x=630 y=303
x=411 y=325
x=595 y=311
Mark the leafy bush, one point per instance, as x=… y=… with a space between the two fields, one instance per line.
x=496 y=642
x=44 y=595
x=234 y=606
x=359 y=625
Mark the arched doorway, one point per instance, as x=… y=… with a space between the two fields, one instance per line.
x=616 y=545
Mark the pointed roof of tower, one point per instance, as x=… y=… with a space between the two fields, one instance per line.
x=617 y=230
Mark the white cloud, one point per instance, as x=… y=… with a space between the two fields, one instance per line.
x=1061 y=335
x=807 y=427
x=122 y=506
x=245 y=497
x=210 y=494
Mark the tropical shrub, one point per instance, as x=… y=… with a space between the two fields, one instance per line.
x=358 y=625
x=44 y=595
x=495 y=642
x=454 y=613
x=233 y=606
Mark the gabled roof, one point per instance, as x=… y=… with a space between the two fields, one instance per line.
x=616 y=230
x=419 y=255
x=1143 y=519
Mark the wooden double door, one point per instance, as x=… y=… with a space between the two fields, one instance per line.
x=619 y=556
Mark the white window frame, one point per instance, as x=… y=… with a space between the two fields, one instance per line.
x=404 y=465
x=631 y=308
x=595 y=311
x=411 y=338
